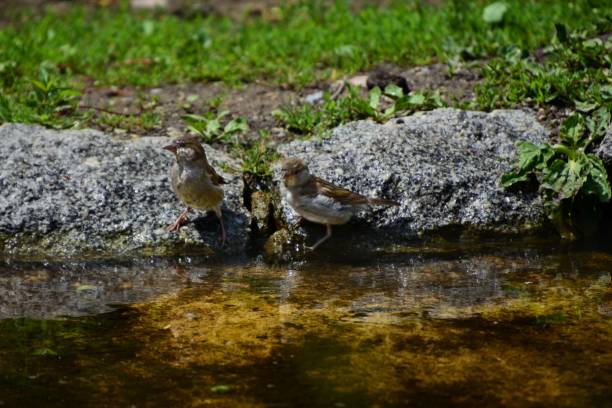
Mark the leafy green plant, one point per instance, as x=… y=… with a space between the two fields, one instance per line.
x=256 y=157
x=574 y=73
x=572 y=180
x=210 y=126
x=309 y=119
x=47 y=101
x=303 y=119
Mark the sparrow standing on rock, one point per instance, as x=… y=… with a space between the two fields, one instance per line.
x=320 y=201
x=194 y=181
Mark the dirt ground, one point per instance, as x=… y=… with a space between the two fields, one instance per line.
x=255 y=102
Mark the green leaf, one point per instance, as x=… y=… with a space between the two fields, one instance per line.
x=44 y=351
x=238 y=125
x=416 y=99
x=529 y=155
x=389 y=112
x=564 y=178
x=212 y=128
x=606 y=92
x=494 y=13
x=374 y=100
x=592 y=43
x=547 y=154
x=585 y=107
x=394 y=91
x=148 y=27
x=598 y=122
x=511 y=178
x=40 y=85
x=597 y=182
x=572 y=129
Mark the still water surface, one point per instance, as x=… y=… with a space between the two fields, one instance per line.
x=488 y=325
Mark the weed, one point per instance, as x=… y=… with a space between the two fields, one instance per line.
x=572 y=181
x=210 y=128
x=256 y=157
x=145 y=120
x=575 y=73
x=46 y=100
x=377 y=105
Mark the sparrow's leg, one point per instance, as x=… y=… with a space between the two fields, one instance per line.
x=322 y=240
x=182 y=219
x=220 y=215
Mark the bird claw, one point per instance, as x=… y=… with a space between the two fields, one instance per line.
x=180 y=221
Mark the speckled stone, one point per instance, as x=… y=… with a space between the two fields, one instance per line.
x=605 y=148
x=443 y=166
x=83 y=193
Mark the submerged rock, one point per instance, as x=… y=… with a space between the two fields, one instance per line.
x=443 y=166
x=83 y=193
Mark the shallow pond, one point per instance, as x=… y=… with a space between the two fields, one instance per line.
x=507 y=325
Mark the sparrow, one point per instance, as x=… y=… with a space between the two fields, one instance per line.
x=320 y=201
x=194 y=181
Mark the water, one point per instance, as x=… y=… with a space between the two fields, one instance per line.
x=508 y=325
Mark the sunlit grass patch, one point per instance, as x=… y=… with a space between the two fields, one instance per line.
x=308 y=41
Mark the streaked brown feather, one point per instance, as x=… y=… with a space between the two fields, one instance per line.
x=214 y=176
x=346 y=196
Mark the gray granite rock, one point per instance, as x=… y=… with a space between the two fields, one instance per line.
x=605 y=148
x=443 y=166
x=83 y=193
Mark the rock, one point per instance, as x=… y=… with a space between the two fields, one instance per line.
x=605 y=148
x=283 y=246
x=83 y=193
x=443 y=166
x=314 y=97
x=261 y=204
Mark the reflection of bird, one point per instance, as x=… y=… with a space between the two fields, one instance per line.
x=320 y=201
x=194 y=180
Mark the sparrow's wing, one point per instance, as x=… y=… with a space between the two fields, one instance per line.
x=214 y=176
x=340 y=194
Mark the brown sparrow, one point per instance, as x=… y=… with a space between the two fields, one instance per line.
x=320 y=201
x=194 y=181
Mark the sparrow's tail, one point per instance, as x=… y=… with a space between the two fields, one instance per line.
x=382 y=201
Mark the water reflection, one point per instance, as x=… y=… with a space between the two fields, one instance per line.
x=490 y=327
x=412 y=284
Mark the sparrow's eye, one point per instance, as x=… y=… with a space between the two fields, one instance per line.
x=180 y=143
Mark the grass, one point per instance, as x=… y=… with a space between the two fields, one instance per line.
x=306 y=42
x=378 y=105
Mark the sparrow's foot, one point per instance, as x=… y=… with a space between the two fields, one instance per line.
x=180 y=221
x=322 y=240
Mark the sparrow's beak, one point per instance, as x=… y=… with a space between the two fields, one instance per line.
x=170 y=148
